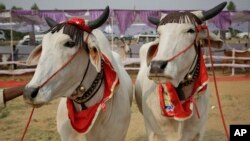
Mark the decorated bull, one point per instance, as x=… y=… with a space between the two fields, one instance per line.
x=171 y=87
x=75 y=62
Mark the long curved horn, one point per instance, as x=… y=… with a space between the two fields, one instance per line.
x=50 y=22
x=154 y=20
x=99 y=21
x=213 y=12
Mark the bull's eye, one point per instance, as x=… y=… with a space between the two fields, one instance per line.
x=191 y=31
x=70 y=44
x=94 y=49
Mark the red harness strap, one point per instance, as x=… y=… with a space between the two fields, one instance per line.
x=59 y=69
x=184 y=50
x=63 y=66
x=80 y=23
x=198 y=29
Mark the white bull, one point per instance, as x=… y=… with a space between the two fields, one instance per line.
x=77 y=63
x=171 y=84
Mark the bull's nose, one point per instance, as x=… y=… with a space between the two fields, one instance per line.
x=30 y=92
x=158 y=66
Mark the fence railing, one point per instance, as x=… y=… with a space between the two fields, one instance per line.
x=221 y=59
x=233 y=58
x=10 y=68
x=131 y=64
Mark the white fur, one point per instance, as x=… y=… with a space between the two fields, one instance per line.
x=110 y=125
x=173 y=39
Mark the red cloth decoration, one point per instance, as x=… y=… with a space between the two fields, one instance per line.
x=80 y=23
x=82 y=121
x=173 y=107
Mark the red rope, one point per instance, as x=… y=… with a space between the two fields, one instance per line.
x=215 y=84
x=59 y=69
x=64 y=65
x=28 y=123
x=196 y=109
x=184 y=50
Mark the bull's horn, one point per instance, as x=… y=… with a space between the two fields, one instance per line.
x=50 y=22
x=213 y=12
x=99 y=21
x=154 y=20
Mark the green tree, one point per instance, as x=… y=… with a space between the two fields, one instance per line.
x=32 y=34
x=16 y=8
x=2 y=6
x=34 y=7
x=231 y=6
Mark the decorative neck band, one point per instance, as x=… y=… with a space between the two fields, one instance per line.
x=81 y=95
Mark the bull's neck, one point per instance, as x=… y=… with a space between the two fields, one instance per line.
x=187 y=90
x=88 y=83
x=95 y=99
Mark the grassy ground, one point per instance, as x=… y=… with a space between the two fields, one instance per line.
x=235 y=97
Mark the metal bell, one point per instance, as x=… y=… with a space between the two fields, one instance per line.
x=189 y=77
x=82 y=89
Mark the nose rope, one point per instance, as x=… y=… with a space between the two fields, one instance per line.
x=201 y=28
x=64 y=65
x=59 y=69
x=215 y=84
x=33 y=108
x=27 y=124
x=198 y=29
x=184 y=50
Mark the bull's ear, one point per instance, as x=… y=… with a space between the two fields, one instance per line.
x=151 y=53
x=34 y=56
x=95 y=58
x=215 y=40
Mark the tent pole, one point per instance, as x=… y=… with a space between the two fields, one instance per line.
x=112 y=35
x=11 y=38
x=248 y=39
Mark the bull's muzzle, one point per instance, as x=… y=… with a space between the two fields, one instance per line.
x=30 y=93
x=158 y=67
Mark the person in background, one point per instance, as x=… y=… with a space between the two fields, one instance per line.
x=125 y=48
x=15 y=55
x=246 y=46
x=9 y=94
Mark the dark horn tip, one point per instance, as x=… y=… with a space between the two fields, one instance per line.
x=222 y=5
x=50 y=22
x=214 y=11
x=154 y=20
x=101 y=20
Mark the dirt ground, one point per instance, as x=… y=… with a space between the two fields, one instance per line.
x=235 y=97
